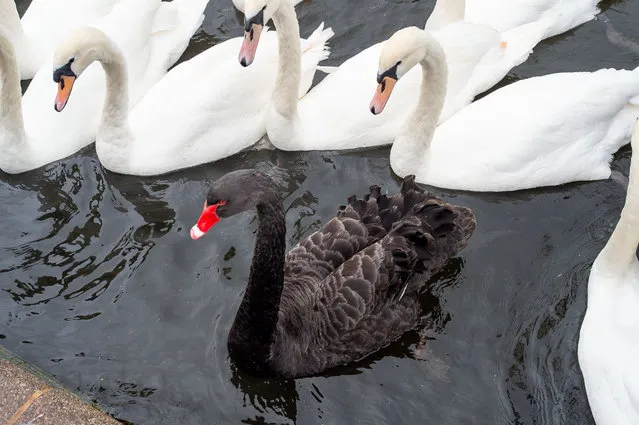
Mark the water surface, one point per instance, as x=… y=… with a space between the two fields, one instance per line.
x=102 y=287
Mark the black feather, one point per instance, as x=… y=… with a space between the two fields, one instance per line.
x=348 y=289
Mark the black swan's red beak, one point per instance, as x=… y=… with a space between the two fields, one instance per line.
x=208 y=219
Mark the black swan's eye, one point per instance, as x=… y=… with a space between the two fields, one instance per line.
x=217 y=202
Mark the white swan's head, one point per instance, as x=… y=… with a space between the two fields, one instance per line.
x=74 y=54
x=400 y=53
x=256 y=14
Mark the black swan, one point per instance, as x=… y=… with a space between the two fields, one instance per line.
x=343 y=292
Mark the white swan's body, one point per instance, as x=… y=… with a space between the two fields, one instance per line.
x=154 y=35
x=609 y=336
x=505 y=15
x=334 y=114
x=541 y=131
x=44 y=24
x=205 y=109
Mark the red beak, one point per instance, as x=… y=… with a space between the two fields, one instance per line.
x=208 y=219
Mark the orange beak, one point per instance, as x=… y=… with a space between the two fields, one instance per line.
x=382 y=94
x=64 y=91
x=249 y=45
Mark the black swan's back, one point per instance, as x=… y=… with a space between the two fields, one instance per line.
x=351 y=288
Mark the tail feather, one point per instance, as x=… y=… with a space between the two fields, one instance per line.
x=436 y=229
x=584 y=12
x=316 y=42
x=440 y=218
x=126 y=14
x=314 y=50
x=174 y=25
x=419 y=254
x=418 y=232
x=515 y=47
x=437 y=232
x=520 y=41
x=412 y=212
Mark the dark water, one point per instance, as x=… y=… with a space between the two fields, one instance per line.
x=102 y=287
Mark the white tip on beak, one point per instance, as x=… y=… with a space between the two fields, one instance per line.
x=196 y=233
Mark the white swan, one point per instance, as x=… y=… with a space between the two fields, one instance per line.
x=332 y=114
x=505 y=15
x=541 y=131
x=32 y=134
x=608 y=343
x=44 y=23
x=204 y=109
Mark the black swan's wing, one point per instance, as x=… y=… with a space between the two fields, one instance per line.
x=318 y=255
x=359 y=224
x=369 y=298
x=321 y=253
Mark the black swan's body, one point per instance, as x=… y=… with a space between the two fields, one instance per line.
x=346 y=290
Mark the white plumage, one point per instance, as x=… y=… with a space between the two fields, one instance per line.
x=152 y=35
x=608 y=341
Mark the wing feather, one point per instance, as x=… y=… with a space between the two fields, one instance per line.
x=353 y=285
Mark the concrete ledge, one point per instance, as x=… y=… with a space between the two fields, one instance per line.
x=28 y=396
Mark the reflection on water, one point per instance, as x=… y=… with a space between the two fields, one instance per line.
x=272 y=399
x=73 y=252
x=102 y=286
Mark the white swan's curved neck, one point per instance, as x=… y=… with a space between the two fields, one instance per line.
x=11 y=122
x=411 y=144
x=116 y=104
x=289 y=69
x=446 y=12
x=619 y=254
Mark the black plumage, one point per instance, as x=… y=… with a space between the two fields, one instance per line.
x=346 y=290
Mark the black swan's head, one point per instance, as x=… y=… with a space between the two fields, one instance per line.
x=232 y=194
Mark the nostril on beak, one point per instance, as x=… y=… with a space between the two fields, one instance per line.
x=243 y=62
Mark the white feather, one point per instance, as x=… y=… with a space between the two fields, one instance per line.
x=44 y=24
x=608 y=340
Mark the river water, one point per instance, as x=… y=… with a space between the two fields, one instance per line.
x=102 y=287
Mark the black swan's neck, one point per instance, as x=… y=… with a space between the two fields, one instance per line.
x=253 y=331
